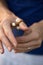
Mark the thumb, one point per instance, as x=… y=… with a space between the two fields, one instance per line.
x=23 y=26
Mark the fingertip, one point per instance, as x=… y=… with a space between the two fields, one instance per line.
x=15 y=45
x=10 y=49
x=1 y=51
x=23 y=26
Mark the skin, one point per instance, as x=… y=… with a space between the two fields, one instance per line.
x=6 y=35
x=32 y=38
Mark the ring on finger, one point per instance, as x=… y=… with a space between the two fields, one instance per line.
x=17 y=23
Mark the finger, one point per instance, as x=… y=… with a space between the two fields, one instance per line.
x=21 y=50
x=29 y=44
x=21 y=23
x=23 y=26
x=5 y=40
x=35 y=47
x=29 y=37
x=1 y=48
x=29 y=31
x=9 y=34
x=7 y=43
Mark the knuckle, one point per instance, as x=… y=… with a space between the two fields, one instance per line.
x=4 y=22
x=34 y=24
x=7 y=33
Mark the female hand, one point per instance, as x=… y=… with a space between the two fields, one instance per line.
x=32 y=40
x=6 y=35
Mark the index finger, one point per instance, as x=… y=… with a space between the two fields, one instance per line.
x=19 y=22
x=8 y=32
x=23 y=26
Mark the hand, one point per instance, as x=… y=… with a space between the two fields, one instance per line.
x=6 y=35
x=30 y=40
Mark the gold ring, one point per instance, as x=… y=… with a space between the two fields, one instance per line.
x=18 y=21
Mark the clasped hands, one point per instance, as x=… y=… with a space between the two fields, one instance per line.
x=30 y=40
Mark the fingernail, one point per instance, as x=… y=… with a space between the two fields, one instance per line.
x=9 y=49
x=15 y=44
x=1 y=51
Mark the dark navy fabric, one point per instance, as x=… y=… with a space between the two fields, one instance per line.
x=30 y=11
